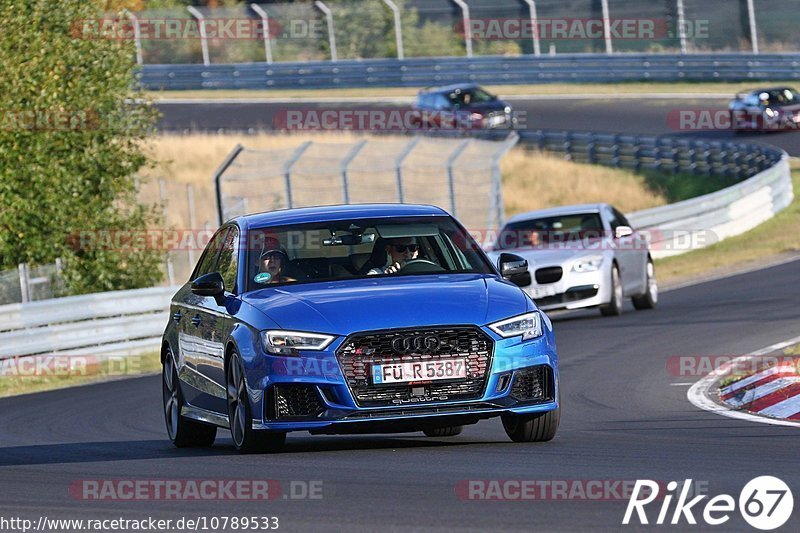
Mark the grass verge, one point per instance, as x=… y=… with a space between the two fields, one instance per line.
x=777 y=236
x=38 y=374
x=631 y=88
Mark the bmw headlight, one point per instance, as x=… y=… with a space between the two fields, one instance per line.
x=588 y=264
x=528 y=325
x=289 y=342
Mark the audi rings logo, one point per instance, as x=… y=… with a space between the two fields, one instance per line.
x=417 y=344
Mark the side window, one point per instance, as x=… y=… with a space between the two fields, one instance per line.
x=208 y=261
x=228 y=259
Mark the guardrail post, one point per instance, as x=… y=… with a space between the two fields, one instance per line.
x=676 y=159
x=451 y=186
x=201 y=23
x=467 y=25
x=568 y=146
x=398 y=29
x=331 y=35
x=591 y=149
x=346 y=163
x=615 y=159
x=707 y=159
x=137 y=35
x=537 y=47
x=267 y=32
x=24 y=289
x=637 y=155
x=607 y=28
x=541 y=139
x=216 y=178
x=287 y=171
x=657 y=155
x=398 y=167
x=751 y=15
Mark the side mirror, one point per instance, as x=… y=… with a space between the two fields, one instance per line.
x=210 y=284
x=515 y=269
x=623 y=231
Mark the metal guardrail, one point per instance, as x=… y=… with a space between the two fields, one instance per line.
x=118 y=322
x=494 y=70
x=765 y=190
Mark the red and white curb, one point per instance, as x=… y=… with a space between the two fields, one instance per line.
x=771 y=396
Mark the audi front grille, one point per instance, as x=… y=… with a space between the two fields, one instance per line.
x=360 y=351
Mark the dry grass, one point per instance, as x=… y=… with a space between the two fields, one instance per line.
x=534 y=180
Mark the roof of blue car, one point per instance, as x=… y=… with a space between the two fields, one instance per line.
x=449 y=88
x=325 y=213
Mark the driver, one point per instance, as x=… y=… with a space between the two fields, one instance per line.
x=400 y=251
x=273 y=262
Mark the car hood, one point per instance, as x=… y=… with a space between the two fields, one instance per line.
x=348 y=306
x=485 y=107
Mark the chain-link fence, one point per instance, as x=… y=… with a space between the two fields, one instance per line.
x=369 y=29
x=29 y=283
x=460 y=175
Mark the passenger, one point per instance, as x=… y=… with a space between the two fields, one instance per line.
x=273 y=263
x=399 y=251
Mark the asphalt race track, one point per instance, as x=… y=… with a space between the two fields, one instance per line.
x=624 y=417
x=650 y=116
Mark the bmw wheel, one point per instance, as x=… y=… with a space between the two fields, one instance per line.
x=540 y=427
x=614 y=307
x=245 y=438
x=182 y=431
x=649 y=299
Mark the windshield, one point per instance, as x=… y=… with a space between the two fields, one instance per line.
x=359 y=248
x=558 y=229
x=779 y=97
x=466 y=97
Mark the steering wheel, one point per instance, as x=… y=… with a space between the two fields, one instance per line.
x=421 y=265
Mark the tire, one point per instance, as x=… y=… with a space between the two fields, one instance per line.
x=447 y=431
x=540 y=427
x=614 y=307
x=183 y=432
x=245 y=438
x=649 y=299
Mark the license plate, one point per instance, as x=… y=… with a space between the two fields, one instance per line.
x=410 y=372
x=542 y=292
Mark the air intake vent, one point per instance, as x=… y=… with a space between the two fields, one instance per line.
x=295 y=401
x=533 y=384
x=549 y=275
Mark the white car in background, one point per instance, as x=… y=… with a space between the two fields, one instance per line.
x=581 y=256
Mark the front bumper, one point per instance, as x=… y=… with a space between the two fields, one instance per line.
x=575 y=290
x=329 y=405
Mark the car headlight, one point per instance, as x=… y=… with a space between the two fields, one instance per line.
x=289 y=342
x=507 y=110
x=588 y=264
x=528 y=325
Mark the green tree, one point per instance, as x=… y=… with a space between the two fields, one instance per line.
x=71 y=140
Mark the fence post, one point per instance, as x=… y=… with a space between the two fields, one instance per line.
x=615 y=159
x=537 y=47
x=398 y=29
x=398 y=166
x=267 y=32
x=607 y=28
x=162 y=193
x=568 y=146
x=450 y=179
x=201 y=23
x=682 y=26
x=346 y=163
x=137 y=35
x=467 y=25
x=192 y=222
x=24 y=289
x=331 y=36
x=751 y=15
x=496 y=218
x=217 y=177
x=591 y=149
x=287 y=171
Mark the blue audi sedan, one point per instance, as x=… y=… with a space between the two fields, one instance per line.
x=354 y=319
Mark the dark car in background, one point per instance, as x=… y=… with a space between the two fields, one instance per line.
x=776 y=108
x=463 y=106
